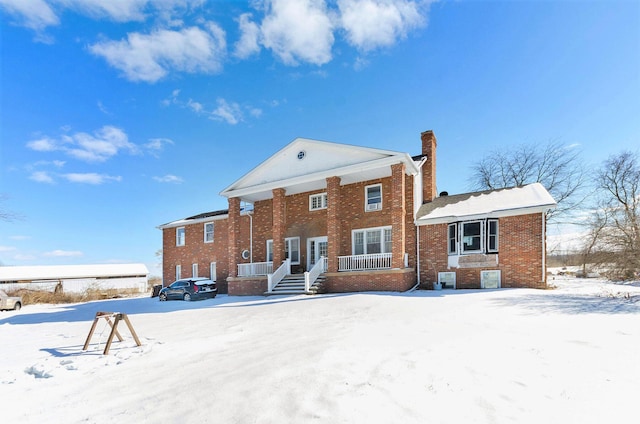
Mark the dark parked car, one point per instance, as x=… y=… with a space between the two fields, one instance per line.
x=189 y=289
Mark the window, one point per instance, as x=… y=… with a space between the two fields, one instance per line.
x=269 y=250
x=490 y=279
x=178 y=272
x=208 y=232
x=373 y=197
x=291 y=250
x=473 y=237
x=212 y=271
x=453 y=239
x=372 y=240
x=194 y=270
x=317 y=201
x=180 y=236
x=492 y=235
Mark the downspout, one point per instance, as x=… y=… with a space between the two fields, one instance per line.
x=544 y=247
x=417 y=251
x=415 y=211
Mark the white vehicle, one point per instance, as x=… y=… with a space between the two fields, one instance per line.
x=9 y=302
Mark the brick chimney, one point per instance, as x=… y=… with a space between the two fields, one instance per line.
x=429 y=168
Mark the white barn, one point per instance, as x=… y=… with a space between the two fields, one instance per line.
x=75 y=278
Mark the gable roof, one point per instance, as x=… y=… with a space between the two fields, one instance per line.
x=531 y=198
x=304 y=164
x=57 y=272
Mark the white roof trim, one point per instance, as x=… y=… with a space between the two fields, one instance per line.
x=183 y=222
x=532 y=198
x=323 y=175
x=236 y=189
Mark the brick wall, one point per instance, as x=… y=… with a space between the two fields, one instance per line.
x=239 y=286
x=519 y=256
x=195 y=250
x=385 y=280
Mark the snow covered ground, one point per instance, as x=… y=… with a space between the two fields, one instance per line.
x=569 y=355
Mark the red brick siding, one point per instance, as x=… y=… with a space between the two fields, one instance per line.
x=247 y=286
x=519 y=256
x=387 y=280
x=197 y=251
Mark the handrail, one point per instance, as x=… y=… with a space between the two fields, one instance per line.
x=312 y=275
x=277 y=276
x=365 y=262
x=255 y=268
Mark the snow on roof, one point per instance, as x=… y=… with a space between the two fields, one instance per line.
x=55 y=272
x=522 y=200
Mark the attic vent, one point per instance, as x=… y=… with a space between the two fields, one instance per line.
x=301 y=154
x=444 y=193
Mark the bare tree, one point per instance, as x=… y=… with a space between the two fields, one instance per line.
x=557 y=167
x=619 y=187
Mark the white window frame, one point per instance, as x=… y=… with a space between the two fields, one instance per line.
x=488 y=274
x=269 y=257
x=453 y=251
x=370 y=206
x=485 y=237
x=178 y=272
x=364 y=232
x=317 y=199
x=181 y=236
x=447 y=277
x=287 y=249
x=481 y=249
x=490 y=235
x=206 y=233
x=194 y=270
x=213 y=271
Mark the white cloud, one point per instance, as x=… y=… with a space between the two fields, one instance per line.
x=41 y=177
x=195 y=106
x=248 y=43
x=34 y=14
x=118 y=10
x=151 y=57
x=20 y=238
x=298 y=30
x=100 y=146
x=7 y=248
x=90 y=178
x=371 y=24
x=156 y=145
x=228 y=112
x=63 y=253
x=45 y=144
x=169 y=179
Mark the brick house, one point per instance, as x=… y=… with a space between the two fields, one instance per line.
x=341 y=218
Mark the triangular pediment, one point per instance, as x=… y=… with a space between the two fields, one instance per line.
x=302 y=159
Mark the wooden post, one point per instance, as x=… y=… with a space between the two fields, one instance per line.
x=114 y=329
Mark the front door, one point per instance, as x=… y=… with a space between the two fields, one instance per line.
x=316 y=248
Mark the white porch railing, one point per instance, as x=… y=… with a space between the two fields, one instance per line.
x=255 y=268
x=365 y=262
x=312 y=275
x=278 y=275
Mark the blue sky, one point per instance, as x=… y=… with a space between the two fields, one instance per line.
x=120 y=116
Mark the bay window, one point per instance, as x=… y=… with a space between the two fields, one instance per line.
x=470 y=237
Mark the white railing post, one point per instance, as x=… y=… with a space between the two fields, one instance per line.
x=274 y=278
x=312 y=275
x=365 y=262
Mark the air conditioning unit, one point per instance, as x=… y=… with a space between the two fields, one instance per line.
x=374 y=206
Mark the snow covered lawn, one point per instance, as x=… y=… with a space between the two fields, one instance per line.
x=569 y=355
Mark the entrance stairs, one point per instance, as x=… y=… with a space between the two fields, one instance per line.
x=294 y=284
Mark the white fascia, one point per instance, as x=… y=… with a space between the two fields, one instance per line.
x=493 y=214
x=411 y=169
x=183 y=222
